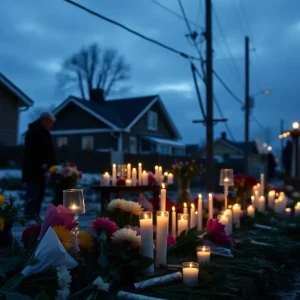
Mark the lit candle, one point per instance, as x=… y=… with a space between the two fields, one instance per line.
x=182 y=223
x=128 y=182
x=288 y=211
x=196 y=218
x=251 y=211
x=200 y=222
x=106 y=179
x=144 y=178
x=203 y=254
x=277 y=205
x=173 y=222
x=170 y=178
x=253 y=200
x=146 y=227
x=192 y=216
x=74 y=208
x=261 y=204
x=160 y=175
x=236 y=215
x=297 y=209
x=114 y=174
x=162 y=225
x=129 y=171
x=134 y=177
x=140 y=173
x=271 y=198
x=163 y=197
x=228 y=214
x=166 y=175
x=262 y=184
x=190 y=271
x=226 y=181
x=185 y=210
x=225 y=221
x=210 y=206
x=256 y=195
x=156 y=173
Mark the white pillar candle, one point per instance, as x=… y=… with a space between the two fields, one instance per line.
x=203 y=254
x=225 y=221
x=196 y=218
x=146 y=226
x=271 y=198
x=210 y=207
x=173 y=222
x=170 y=178
x=192 y=216
x=185 y=209
x=261 y=204
x=129 y=171
x=228 y=214
x=277 y=205
x=253 y=200
x=163 y=198
x=297 y=209
x=200 y=222
x=106 y=179
x=162 y=228
x=160 y=175
x=258 y=189
x=182 y=223
x=140 y=174
x=236 y=215
x=156 y=173
x=134 y=177
x=251 y=211
x=114 y=174
x=256 y=195
x=128 y=182
x=166 y=176
x=190 y=272
x=144 y=178
x=262 y=184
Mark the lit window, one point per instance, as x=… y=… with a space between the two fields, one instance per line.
x=152 y=120
x=87 y=143
x=61 y=142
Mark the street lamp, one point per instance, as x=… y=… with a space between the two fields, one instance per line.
x=295 y=125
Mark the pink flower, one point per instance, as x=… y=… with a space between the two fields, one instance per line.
x=72 y=165
x=57 y=216
x=218 y=234
x=171 y=241
x=104 y=224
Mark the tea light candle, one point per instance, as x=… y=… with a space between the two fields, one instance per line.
x=250 y=211
x=182 y=222
x=170 y=178
x=200 y=222
x=203 y=254
x=261 y=204
x=163 y=197
x=185 y=210
x=129 y=171
x=128 y=182
x=192 y=216
x=114 y=174
x=297 y=209
x=190 y=271
x=144 y=178
x=146 y=226
x=162 y=226
x=140 y=173
x=134 y=177
x=106 y=179
x=173 y=222
x=210 y=206
x=236 y=211
x=74 y=208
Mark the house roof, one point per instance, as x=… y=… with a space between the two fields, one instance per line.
x=162 y=141
x=24 y=99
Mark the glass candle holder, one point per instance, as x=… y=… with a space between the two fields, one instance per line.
x=226 y=177
x=203 y=254
x=74 y=200
x=122 y=171
x=182 y=222
x=190 y=272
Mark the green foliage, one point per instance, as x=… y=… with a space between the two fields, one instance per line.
x=10 y=212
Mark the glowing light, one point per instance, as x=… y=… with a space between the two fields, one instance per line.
x=269 y=148
x=295 y=125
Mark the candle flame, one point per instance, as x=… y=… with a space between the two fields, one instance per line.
x=129 y=165
x=226 y=179
x=196 y=212
x=144 y=172
x=182 y=219
x=192 y=205
x=184 y=204
x=163 y=186
x=288 y=209
x=252 y=197
x=160 y=168
x=145 y=216
x=114 y=165
x=173 y=208
x=298 y=204
x=199 y=196
x=250 y=207
x=140 y=164
x=73 y=206
x=261 y=198
x=162 y=214
x=156 y=167
x=190 y=265
x=134 y=170
x=203 y=248
x=106 y=174
x=210 y=195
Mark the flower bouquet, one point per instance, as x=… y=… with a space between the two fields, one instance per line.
x=243 y=185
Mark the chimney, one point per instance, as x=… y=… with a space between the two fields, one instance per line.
x=223 y=136
x=97 y=96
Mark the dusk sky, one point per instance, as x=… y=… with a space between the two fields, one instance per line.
x=37 y=35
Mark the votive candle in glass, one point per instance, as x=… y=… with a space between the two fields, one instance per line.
x=190 y=271
x=182 y=222
x=203 y=254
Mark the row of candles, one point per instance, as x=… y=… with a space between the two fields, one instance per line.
x=138 y=176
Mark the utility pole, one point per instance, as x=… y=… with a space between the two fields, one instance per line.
x=247 y=107
x=281 y=141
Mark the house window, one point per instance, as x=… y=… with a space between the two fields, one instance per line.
x=152 y=120
x=164 y=149
x=87 y=143
x=62 y=141
x=133 y=145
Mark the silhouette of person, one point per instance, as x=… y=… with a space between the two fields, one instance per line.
x=287 y=158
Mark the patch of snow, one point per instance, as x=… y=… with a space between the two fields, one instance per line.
x=89 y=178
x=10 y=173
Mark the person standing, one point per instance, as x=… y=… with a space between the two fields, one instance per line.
x=39 y=156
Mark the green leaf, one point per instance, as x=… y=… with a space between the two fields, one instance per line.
x=9 y=264
x=16 y=296
x=103 y=262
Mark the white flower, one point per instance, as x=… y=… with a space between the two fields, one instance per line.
x=126 y=237
x=116 y=204
x=100 y=284
x=132 y=207
x=62 y=294
x=63 y=277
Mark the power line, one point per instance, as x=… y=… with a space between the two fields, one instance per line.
x=132 y=31
x=258 y=123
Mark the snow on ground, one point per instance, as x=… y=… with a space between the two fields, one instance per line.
x=10 y=173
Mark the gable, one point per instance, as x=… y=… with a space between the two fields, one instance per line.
x=74 y=117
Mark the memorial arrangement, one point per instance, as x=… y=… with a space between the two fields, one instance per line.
x=209 y=250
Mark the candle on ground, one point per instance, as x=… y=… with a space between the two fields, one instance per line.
x=146 y=226
x=228 y=214
x=256 y=195
x=162 y=226
x=261 y=204
x=225 y=221
x=170 y=178
x=160 y=175
x=144 y=178
x=134 y=177
x=156 y=173
x=262 y=184
x=203 y=254
x=114 y=174
x=210 y=206
x=192 y=216
x=163 y=197
x=250 y=211
x=106 y=179
x=128 y=182
x=253 y=200
x=271 y=198
x=129 y=171
x=140 y=173
x=190 y=271
x=200 y=222
x=236 y=212
x=297 y=209
x=173 y=222
x=185 y=210
x=196 y=218
x=288 y=211
x=182 y=223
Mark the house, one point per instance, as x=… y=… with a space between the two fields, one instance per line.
x=140 y=125
x=191 y=149
x=12 y=102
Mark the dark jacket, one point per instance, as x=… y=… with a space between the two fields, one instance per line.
x=38 y=151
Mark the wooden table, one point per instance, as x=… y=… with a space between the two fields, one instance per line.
x=117 y=190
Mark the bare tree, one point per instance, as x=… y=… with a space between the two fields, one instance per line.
x=36 y=111
x=93 y=68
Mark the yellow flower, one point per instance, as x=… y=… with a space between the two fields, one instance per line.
x=64 y=236
x=1 y=224
x=85 y=240
x=2 y=200
x=53 y=169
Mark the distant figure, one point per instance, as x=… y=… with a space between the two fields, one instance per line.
x=287 y=158
x=271 y=165
x=39 y=156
